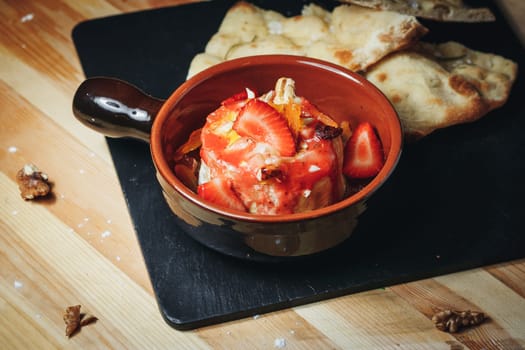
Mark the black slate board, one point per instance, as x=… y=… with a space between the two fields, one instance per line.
x=454 y=202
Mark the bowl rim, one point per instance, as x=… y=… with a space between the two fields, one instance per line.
x=162 y=166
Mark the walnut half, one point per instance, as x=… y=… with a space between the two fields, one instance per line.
x=452 y=321
x=32 y=182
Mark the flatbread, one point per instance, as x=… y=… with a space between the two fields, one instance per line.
x=351 y=36
x=492 y=75
x=439 y=10
x=360 y=37
x=433 y=86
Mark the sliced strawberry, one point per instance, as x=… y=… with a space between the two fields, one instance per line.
x=263 y=123
x=243 y=95
x=240 y=96
x=219 y=191
x=364 y=155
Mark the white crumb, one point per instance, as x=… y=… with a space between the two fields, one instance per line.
x=27 y=18
x=18 y=284
x=12 y=149
x=279 y=343
x=313 y=168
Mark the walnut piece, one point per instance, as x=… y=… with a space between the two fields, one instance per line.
x=87 y=319
x=32 y=182
x=327 y=132
x=72 y=319
x=269 y=172
x=452 y=321
x=75 y=320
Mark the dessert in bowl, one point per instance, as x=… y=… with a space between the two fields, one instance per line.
x=289 y=227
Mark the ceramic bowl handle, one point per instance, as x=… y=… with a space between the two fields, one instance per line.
x=115 y=108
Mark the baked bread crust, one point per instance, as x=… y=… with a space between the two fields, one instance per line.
x=351 y=36
x=492 y=75
x=439 y=10
x=431 y=86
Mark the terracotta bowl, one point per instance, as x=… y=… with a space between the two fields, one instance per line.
x=117 y=109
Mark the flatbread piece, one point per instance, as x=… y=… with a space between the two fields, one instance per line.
x=439 y=10
x=351 y=36
x=433 y=86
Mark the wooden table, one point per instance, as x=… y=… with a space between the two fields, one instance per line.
x=80 y=247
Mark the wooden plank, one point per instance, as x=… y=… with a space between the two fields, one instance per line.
x=49 y=260
x=284 y=329
x=376 y=319
x=80 y=246
x=499 y=302
x=429 y=296
x=85 y=187
x=512 y=274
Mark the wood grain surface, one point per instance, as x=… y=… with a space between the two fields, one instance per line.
x=79 y=246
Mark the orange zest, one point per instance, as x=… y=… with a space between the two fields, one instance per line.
x=194 y=142
x=347 y=130
x=292 y=113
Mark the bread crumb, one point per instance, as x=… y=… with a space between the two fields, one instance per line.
x=27 y=18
